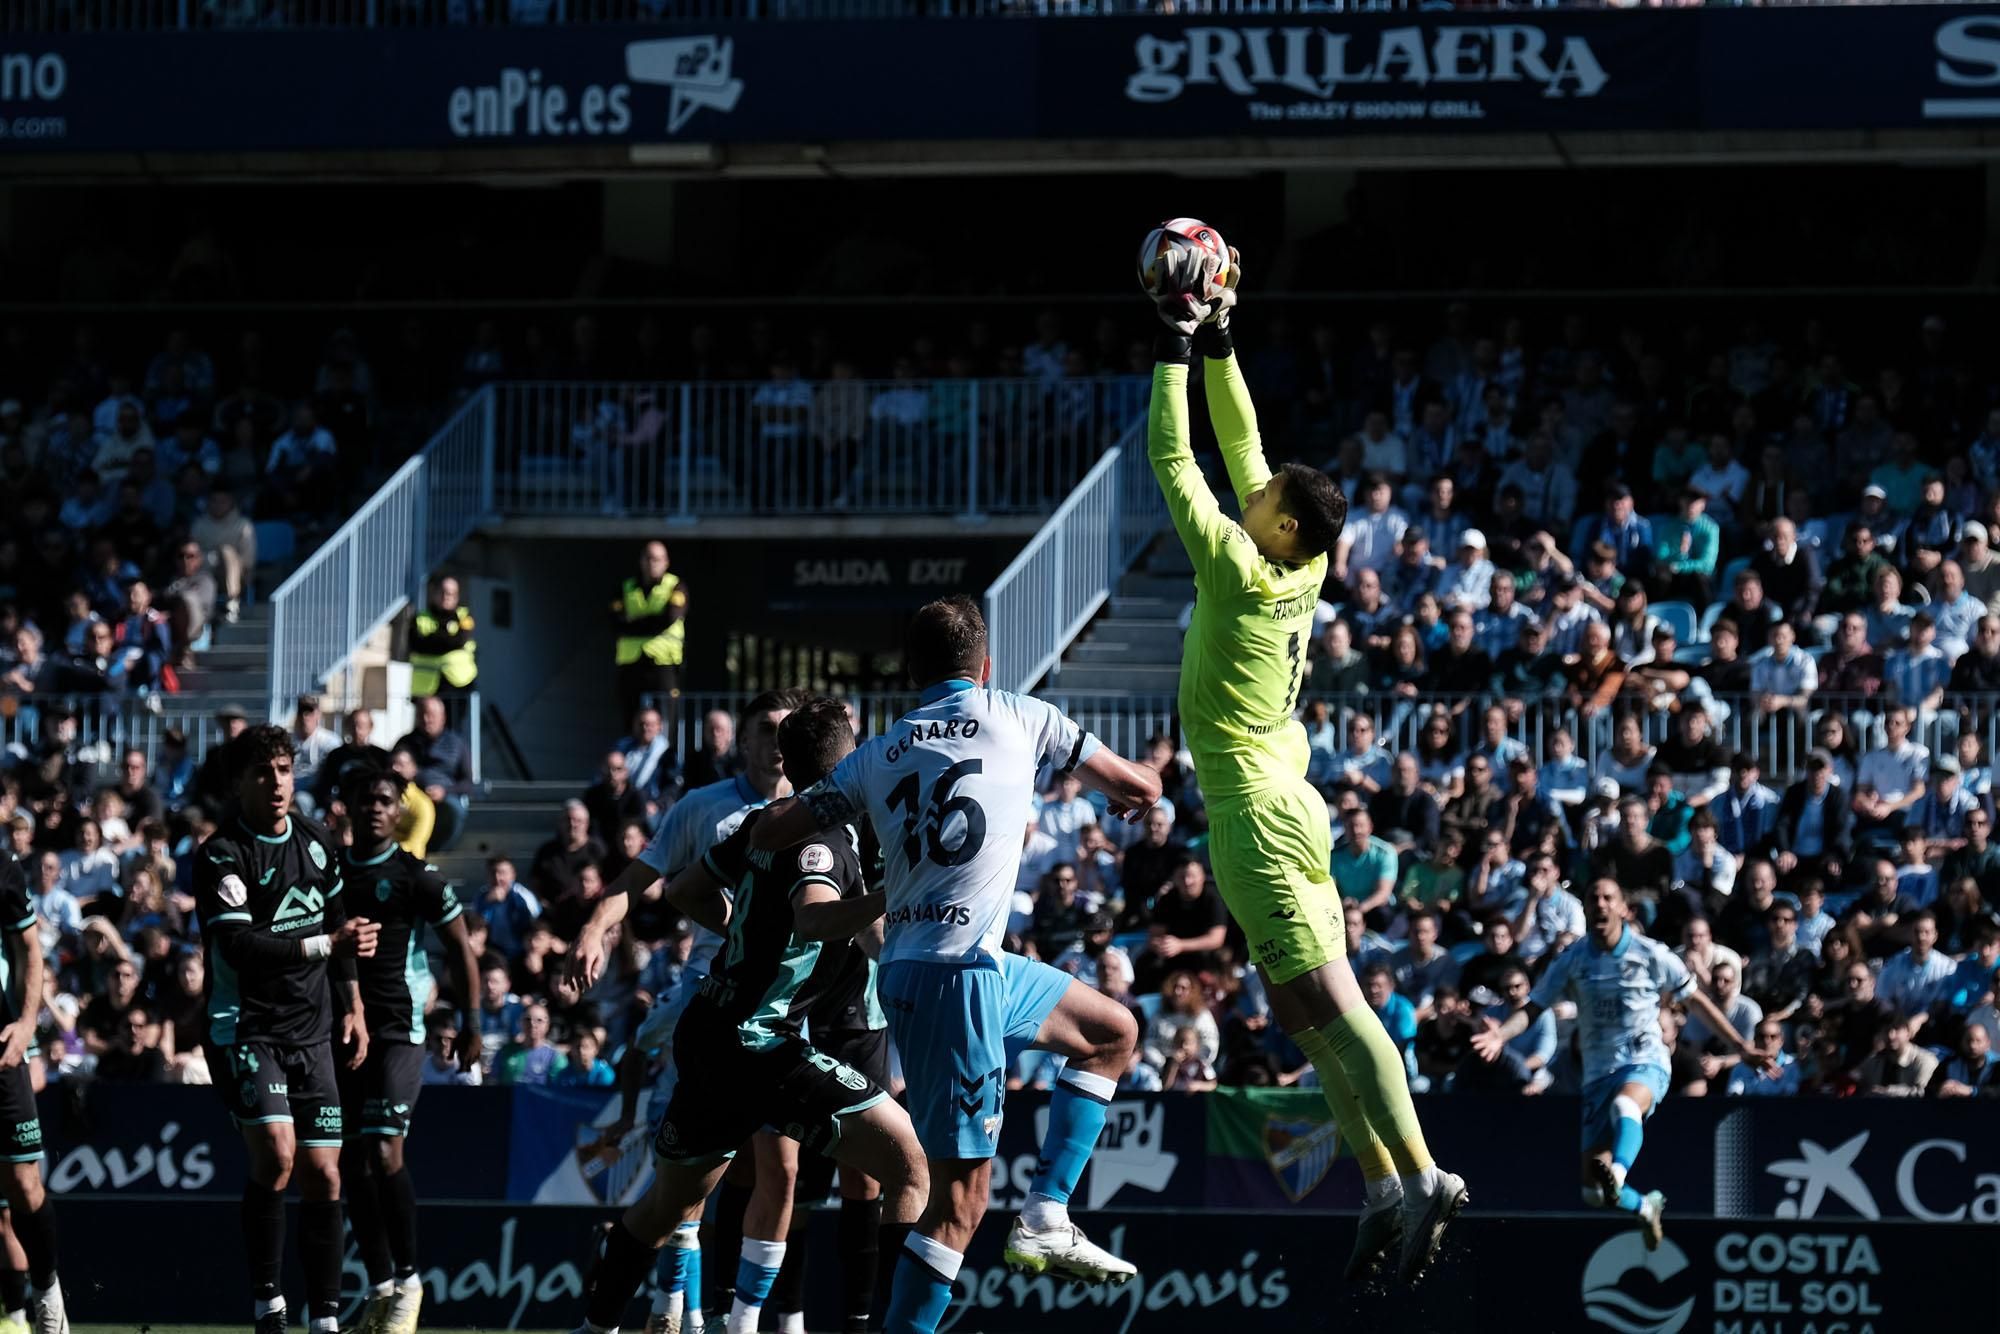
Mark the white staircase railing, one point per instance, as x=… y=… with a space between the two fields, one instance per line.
x=1068 y=570
x=376 y=563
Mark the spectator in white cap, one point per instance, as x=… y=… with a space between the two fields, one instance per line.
x=1874 y=511
x=1468 y=581
x=1979 y=565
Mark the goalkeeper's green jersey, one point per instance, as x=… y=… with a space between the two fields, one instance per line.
x=1244 y=658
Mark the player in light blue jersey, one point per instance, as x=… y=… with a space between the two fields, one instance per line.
x=696 y=823
x=949 y=789
x=1618 y=979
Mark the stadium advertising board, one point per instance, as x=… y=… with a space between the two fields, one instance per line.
x=1143 y=77
x=494 y=1266
x=175 y=1141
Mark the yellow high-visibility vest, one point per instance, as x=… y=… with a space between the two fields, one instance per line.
x=643 y=611
x=442 y=647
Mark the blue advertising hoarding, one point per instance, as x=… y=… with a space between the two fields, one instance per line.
x=1158 y=77
x=496 y=1266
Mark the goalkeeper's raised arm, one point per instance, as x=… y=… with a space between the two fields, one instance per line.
x=1293 y=516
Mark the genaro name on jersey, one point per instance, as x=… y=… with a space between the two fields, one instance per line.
x=1617 y=993
x=950 y=789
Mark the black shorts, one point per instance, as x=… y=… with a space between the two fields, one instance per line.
x=727 y=1093
x=262 y=1084
x=379 y=1098
x=863 y=1049
x=20 y=1121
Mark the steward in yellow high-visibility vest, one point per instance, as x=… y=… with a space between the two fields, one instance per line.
x=442 y=652
x=652 y=634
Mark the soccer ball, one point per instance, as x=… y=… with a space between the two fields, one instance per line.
x=1184 y=256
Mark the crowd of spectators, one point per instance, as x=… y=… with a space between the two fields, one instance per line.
x=130 y=498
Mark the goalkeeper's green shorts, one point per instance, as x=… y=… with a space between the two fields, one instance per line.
x=1272 y=851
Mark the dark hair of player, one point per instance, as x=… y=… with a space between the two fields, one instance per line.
x=374 y=776
x=1319 y=506
x=258 y=745
x=946 y=639
x=813 y=738
x=778 y=701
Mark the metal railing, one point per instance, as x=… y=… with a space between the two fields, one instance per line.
x=1126 y=721
x=683 y=450
x=1123 y=722
x=376 y=562
x=1048 y=594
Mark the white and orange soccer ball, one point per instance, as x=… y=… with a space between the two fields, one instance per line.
x=1184 y=256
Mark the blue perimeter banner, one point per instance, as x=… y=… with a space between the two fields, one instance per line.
x=1833 y=67
x=494 y=1266
x=1246 y=1150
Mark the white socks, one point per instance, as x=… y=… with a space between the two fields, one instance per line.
x=940 y=1257
x=1380 y=1193
x=668 y=1303
x=793 y=1323
x=275 y=1304
x=324 y=1325
x=1042 y=1214
x=386 y=1288
x=1418 y=1187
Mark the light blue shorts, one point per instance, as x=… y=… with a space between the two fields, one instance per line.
x=958 y=1027
x=1598 y=1094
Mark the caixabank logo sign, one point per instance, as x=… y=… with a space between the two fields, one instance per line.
x=1741 y=1282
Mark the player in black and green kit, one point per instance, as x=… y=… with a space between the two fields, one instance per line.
x=32 y=1214
x=400 y=894
x=790 y=931
x=1242 y=663
x=280 y=947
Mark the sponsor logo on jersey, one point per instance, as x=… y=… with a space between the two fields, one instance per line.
x=265 y=878
x=944 y=914
x=298 y=903
x=815 y=857
x=233 y=892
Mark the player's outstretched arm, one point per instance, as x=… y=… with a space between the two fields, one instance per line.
x=1718 y=1023
x=462 y=967
x=820 y=913
x=1132 y=789
x=586 y=957
x=1490 y=1041
x=1230 y=410
x=1211 y=539
x=698 y=893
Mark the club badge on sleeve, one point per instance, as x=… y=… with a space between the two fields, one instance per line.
x=815 y=858
x=233 y=892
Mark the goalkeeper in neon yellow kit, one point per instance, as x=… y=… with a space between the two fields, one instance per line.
x=1243 y=662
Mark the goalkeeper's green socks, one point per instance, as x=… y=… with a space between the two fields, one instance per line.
x=1355 y=1050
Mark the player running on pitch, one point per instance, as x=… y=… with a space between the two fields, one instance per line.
x=32 y=1212
x=1618 y=979
x=268 y=890
x=402 y=894
x=744 y=1064
x=1242 y=665
x=948 y=789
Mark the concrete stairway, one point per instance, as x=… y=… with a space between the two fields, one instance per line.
x=236 y=667
x=1135 y=644
x=512 y=819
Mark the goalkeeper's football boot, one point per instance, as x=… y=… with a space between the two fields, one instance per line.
x=1064 y=1251
x=374 y=1316
x=664 y=1322
x=274 y=1322
x=1378 y=1232
x=1424 y=1225
x=1653 y=1219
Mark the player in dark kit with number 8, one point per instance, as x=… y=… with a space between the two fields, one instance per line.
x=401 y=894
x=280 y=946
x=33 y=1213
x=790 y=931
